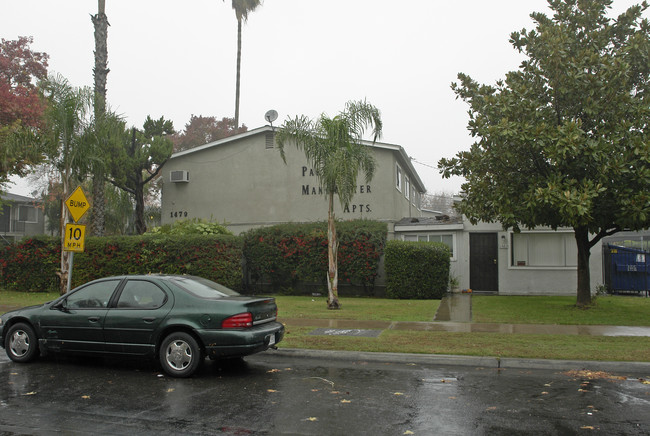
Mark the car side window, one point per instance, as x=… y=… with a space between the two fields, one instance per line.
x=141 y=294
x=93 y=296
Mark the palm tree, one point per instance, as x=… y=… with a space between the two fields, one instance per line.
x=100 y=72
x=334 y=149
x=67 y=121
x=242 y=8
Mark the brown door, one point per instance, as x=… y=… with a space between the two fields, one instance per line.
x=483 y=267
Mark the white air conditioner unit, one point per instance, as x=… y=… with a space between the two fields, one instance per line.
x=179 y=176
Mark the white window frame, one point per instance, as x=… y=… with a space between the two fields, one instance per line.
x=426 y=237
x=407 y=188
x=565 y=252
x=28 y=220
x=398 y=176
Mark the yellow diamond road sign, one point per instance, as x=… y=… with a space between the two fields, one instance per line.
x=74 y=237
x=77 y=204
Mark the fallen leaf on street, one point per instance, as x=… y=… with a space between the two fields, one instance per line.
x=491 y=408
x=30 y=393
x=346 y=401
x=587 y=427
x=271 y=390
x=398 y=393
x=273 y=370
x=408 y=432
x=86 y=397
x=312 y=419
x=170 y=390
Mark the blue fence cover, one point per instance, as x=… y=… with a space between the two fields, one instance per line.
x=628 y=268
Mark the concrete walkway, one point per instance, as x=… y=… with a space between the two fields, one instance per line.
x=454 y=315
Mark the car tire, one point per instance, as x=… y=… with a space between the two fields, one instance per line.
x=21 y=343
x=180 y=355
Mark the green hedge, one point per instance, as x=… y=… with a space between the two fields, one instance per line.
x=215 y=257
x=288 y=254
x=416 y=270
x=31 y=265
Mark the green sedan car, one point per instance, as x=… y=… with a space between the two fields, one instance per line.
x=177 y=319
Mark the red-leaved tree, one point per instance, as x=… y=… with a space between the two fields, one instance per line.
x=21 y=108
x=202 y=130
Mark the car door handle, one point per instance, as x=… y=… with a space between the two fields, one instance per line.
x=93 y=318
x=149 y=319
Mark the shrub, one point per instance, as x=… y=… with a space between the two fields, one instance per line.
x=193 y=226
x=288 y=254
x=216 y=258
x=416 y=270
x=31 y=265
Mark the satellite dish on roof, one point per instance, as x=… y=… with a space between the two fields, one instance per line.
x=271 y=116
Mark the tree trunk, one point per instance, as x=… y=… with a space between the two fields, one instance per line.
x=100 y=72
x=332 y=256
x=584 y=285
x=238 y=74
x=140 y=226
x=65 y=255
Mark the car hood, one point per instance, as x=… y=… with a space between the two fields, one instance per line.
x=22 y=309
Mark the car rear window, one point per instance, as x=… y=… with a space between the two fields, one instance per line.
x=204 y=288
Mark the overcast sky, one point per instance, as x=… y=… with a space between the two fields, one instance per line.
x=176 y=58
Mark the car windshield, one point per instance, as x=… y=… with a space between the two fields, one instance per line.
x=203 y=288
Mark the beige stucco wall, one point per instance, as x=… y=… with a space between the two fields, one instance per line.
x=245 y=184
x=517 y=280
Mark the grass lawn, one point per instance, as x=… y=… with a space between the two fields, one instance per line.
x=617 y=310
x=566 y=347
x=13 y=300
x=367 y=309
x=609 y=310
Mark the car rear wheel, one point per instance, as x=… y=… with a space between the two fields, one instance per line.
x=180 y=355
x=21 y=343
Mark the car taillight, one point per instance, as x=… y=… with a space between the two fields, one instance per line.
x=239 y=321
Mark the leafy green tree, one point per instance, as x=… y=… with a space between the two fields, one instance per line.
x=563 y=141
x=63 y=138
x=242 y=9
x=138 y=160
x=100 y=73
x=334 y=149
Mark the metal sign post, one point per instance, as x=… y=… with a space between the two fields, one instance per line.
x=73 y=239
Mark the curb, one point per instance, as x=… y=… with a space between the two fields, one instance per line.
x=455 y=360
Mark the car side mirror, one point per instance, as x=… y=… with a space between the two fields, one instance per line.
x=61 y=305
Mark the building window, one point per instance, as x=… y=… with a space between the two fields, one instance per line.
x=447 y=239
x=398 y=176
x=407 y=188
x=549 y=249
x=27 y=214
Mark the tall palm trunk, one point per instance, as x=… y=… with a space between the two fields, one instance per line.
x=100 y=72
x=332 y=256
x=238 y=73
x=65 y=218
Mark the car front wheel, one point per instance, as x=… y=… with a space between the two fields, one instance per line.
x=21 y=343
x=180 y=355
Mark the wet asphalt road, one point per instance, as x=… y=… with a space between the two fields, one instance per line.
x=278 y=395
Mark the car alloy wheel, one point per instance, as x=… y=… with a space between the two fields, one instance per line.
x=21 y=343
x=180 y=355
